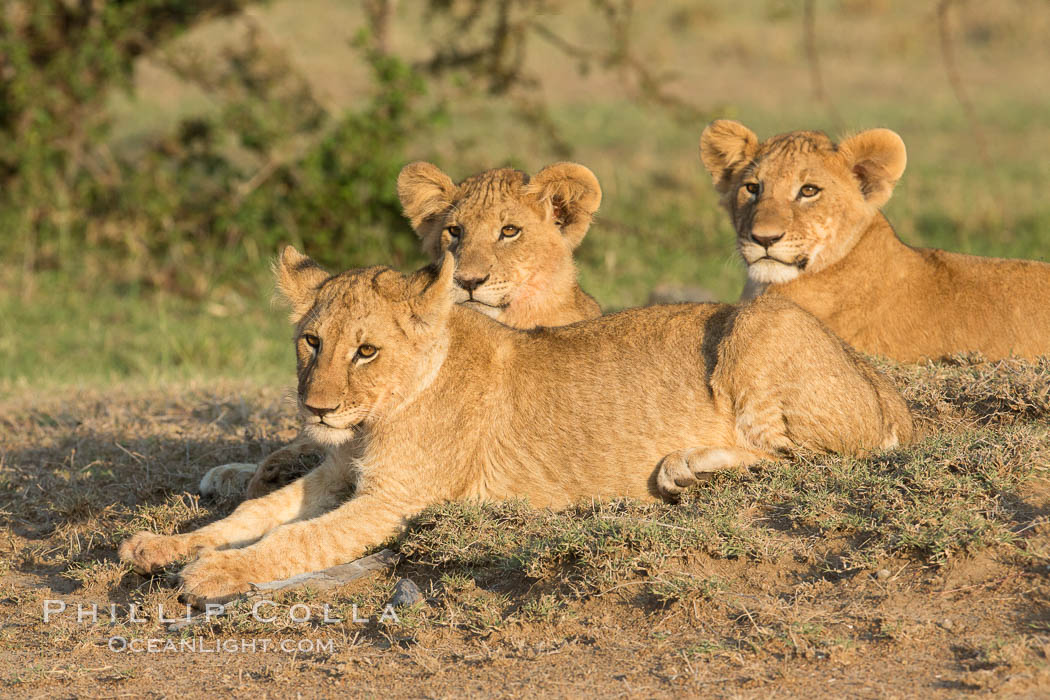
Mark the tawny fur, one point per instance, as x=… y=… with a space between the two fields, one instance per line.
x=837 y=256
x=530 y=279
x=453 y=405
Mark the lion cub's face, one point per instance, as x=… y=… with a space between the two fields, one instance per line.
x=366 y=340
x=798 y=202
x=512 y=236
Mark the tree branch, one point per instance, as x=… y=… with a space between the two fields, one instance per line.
x=809 y=41
x=951 y=68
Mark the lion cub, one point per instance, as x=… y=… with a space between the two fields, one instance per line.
x=808 y=224
x=512 y=237
x=422 y=401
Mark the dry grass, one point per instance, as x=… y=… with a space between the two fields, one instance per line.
x=841 y=567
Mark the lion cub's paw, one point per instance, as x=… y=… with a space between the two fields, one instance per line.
x=283 y=467
x=682 y=468
x=148 y=553
x=217 y=577
x=227 y=479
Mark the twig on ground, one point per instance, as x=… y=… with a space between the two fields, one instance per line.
x=333 y=577
x=319 y=580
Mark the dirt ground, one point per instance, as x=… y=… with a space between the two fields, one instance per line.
x=744 y=589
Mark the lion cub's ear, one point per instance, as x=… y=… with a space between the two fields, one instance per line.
x=573 y=193
x=434 y=303
x=425 y=193
x=877 y=158
x=298 y=278
x=725 y=147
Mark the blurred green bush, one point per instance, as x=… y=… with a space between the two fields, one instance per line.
x=222 y=190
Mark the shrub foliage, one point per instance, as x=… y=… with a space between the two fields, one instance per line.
x=270 y=165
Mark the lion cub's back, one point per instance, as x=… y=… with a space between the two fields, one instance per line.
x=997 y=306
x=604 y=400
x=665 y=339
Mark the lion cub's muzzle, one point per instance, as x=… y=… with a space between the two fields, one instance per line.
x=755 y=249
x=335 y=417
x=332 y=427
x=481 y=292
x=318 y=411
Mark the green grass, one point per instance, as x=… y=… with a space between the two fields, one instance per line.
x=659 y=222
x=67 y=333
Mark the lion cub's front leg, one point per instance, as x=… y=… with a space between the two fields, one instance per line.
x=304 y=498
x=682 y=468
x=336 y=537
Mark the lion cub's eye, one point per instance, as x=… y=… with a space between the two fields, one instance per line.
x=809 y=191
x=751 y=187
x=508 y=232
x=312 y=340
x=454 y=231
x=367 y=352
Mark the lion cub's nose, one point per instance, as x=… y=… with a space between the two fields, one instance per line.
x=471 y=283
x=319 y=412
x=766 y=241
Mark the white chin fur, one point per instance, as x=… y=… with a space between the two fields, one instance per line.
x=327 y=435
x=771 y=272
x=490 y=311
